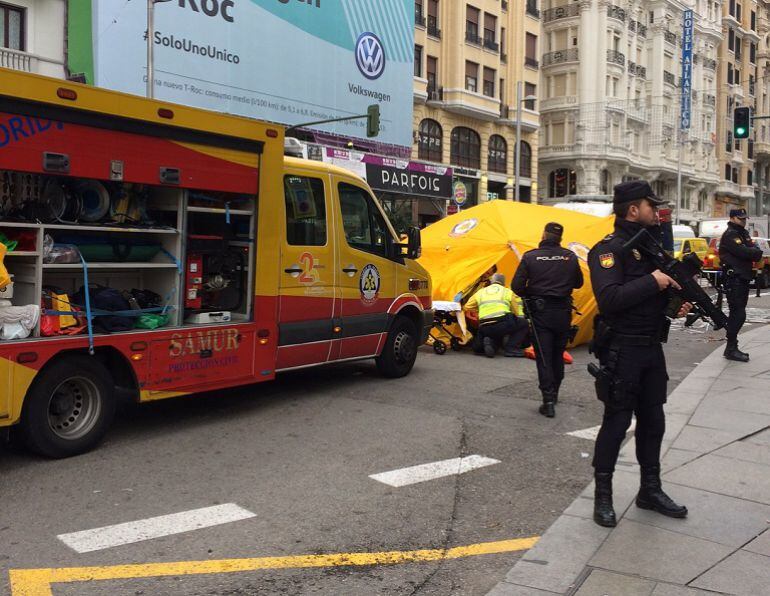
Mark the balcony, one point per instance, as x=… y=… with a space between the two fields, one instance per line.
x=709 y=63
x=641 y=71
x=560 y=12
x=504 y=5
x=491 y=44
x=505 y=112
x=561 y=102
x=435 y=94
x=17 y=60
x=532 y=9
x=761 y=149
x=531 y=62
x=473 y=38
x=615 y=57
x=615 y=12
x=670 y=37
x=641 y=29
x=560 y=57
x=433 y=29
x=669 y=78
x=419 y=18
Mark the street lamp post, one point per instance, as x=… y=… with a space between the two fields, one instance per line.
x=519 y=101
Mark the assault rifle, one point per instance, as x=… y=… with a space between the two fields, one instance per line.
x=685 y=272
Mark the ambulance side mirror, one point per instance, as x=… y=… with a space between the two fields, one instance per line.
x=414 y=246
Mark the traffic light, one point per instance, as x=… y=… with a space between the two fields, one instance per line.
x=742 y=122
x=373 y=120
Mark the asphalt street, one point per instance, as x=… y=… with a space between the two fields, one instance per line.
x=297 y=454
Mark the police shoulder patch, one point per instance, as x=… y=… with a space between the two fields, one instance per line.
x=607 y=260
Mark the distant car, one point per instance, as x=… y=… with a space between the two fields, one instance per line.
x=684 y=246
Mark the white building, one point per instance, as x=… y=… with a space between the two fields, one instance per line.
x=32 y=34
x=610 y=99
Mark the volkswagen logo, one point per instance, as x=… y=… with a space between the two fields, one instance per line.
x=370 y=56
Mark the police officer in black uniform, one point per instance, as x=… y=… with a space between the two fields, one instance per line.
x=632 y=296
x=545 y=279
x=737 y=252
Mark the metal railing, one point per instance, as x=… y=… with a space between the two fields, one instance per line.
x=491 y=44
x=560 y=12
x=17 y=60
x=709 y=100
x=435 y=94
x=419 y=18
x=532 y=9
x=669 y=78
x=560 y=56
x=669 y=37
x=641 y=71
x=473 y=38
x=641 y=29
x=531 y=62
x=433 y=29
x=616 y=57
x=615 y=12
x=709 y=63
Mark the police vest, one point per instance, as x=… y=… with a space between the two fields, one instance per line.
x=494 y=301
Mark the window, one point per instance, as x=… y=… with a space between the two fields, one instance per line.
x=418 y=61
x=753 y=21
x=364 y=225
x=735 y=175
x=472 y=24
x=305 y=211
x=502 y=41
x=465 y=148
x=418 y=14
x=729 y=74
x=530 y=89
x=729 y=142
x=753 y=53
x=530 y=56
x=490 y=28
x=471 y=76
x=12 y=27
x=430 y=141
x=431 y=72
x=498 y=155
x=738 y=48
x=605 y=182
x=562 y=182
x=489 y=82
x=525 y=164
x=728 y=172
x=749 y=177
x=432 y=17
x=731 y=40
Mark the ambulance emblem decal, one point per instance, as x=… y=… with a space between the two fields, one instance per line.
x=369 y=284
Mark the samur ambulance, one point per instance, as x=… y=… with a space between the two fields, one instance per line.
x=235 y=262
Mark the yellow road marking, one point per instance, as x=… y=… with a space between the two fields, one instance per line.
x=38 y=582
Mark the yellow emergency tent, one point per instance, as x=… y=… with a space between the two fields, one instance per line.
x=459 y=249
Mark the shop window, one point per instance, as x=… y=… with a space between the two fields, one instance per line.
x=562 y=182
x=430 y=141
x=364 y=225
x=305 y=211
x=525 y=164
x=465 y=148
x=498 y=155
x=12 y=27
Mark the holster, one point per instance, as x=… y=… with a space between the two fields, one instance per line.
x=614 y=392
x=602 y=335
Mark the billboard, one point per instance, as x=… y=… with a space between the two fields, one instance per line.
x=287 y=61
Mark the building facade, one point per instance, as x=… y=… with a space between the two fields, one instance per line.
x=610 y=100
x=469 y=58
x=761 y=203
x=738 y=86
x=32 y=36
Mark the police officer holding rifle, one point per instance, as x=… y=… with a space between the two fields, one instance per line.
x=632 y=293
x=545 y=279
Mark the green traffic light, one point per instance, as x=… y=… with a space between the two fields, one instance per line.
x=740 y=131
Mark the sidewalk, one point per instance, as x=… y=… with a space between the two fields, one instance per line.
x=716 y=461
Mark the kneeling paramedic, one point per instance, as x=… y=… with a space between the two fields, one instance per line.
x=496 y=307
x=633 y=296
x=545 y=279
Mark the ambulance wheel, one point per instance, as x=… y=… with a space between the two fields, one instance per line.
x=400 y=350
x=439 y=347
x=456 y=345
x=69 y=407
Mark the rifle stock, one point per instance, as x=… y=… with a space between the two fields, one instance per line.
x=685 y=272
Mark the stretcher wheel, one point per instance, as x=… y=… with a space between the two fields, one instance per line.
x=439 y=347
x=455 y=343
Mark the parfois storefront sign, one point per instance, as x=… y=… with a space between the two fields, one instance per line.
x=409 y=178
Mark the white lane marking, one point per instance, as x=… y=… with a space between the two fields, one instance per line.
x=431 y=471
x=153 y=527
x=591 y=433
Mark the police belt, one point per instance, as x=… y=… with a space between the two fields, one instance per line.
x=623 y=339
x=554 y=300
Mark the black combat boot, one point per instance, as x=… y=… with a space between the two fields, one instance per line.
x=733 y=353
x=547 y=409
x=651 y=495
x=604 y=514
x=489 y=347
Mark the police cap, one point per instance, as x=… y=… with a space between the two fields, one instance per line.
x=554 y=228
x=633 y=191
x=738 y=213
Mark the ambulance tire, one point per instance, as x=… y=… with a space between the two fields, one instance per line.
x=400 y=351
x=69 y=407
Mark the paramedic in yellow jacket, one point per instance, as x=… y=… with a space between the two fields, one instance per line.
x=497 y=307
